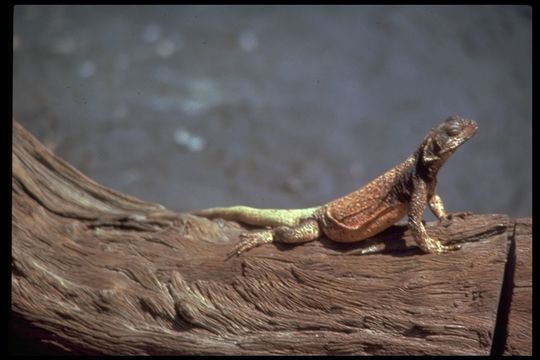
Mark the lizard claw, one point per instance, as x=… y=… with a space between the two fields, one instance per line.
x=448 y=218
x=250 y=240
x=433 y=246
x=447 y=248
x=441 y=249
x=461 y=214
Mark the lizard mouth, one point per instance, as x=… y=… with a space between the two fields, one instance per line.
x=470 y=129
x=467 y=131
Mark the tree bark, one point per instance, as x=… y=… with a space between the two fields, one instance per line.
x=98 y=272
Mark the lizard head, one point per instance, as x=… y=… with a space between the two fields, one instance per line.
x=443 y=140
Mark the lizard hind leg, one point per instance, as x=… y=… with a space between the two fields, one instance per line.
x=306 y=231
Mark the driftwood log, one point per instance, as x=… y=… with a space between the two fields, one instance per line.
x=98 y=272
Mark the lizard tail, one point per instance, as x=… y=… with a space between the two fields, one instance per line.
x=259 y=217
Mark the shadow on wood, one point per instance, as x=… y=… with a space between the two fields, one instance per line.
x=98 y=272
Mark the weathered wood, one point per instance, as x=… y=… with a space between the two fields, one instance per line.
x=519 y=330
x=98 y=272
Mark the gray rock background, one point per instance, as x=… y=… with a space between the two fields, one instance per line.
x=277 y=106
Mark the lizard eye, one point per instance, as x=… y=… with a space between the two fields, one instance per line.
x=453 y=129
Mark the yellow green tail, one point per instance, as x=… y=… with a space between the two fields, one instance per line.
x=259 y=217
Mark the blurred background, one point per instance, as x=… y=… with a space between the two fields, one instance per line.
x=277 y=106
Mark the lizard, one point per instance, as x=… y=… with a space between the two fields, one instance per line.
x=405 y=189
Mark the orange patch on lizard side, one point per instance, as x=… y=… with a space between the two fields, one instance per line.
x=363 y=226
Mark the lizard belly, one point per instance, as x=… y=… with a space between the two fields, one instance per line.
x=363 y=226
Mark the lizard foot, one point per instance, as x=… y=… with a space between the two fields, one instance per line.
x=460 y=214
x=252 y=239
x=447 y=220
x=433 y=246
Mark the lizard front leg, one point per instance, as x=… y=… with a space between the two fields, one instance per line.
x=437 y=208
x=307 y=230
x=416 y=210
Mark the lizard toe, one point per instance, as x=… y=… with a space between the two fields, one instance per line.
x=441 y=249
x=436 y=247
x=250 y=240
x=461 y=214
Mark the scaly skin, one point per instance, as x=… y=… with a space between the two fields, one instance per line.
x=405 y=189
